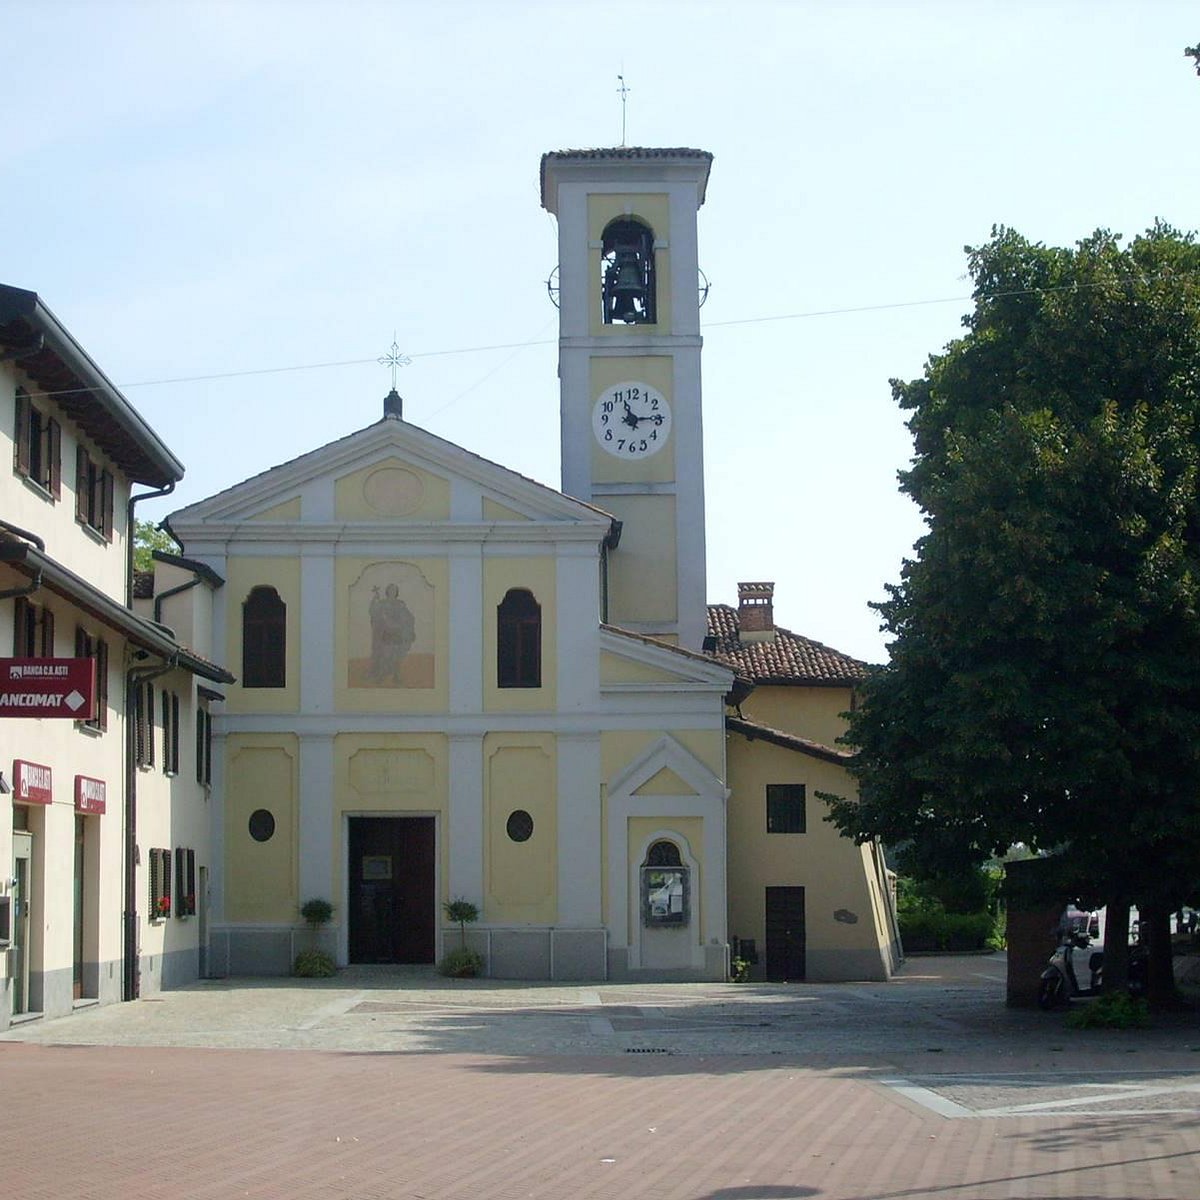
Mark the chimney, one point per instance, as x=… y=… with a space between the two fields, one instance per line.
x=756 y=612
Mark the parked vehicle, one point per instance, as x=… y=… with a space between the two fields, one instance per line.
x=1076 y=968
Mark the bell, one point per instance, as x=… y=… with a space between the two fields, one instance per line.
x=627 y=294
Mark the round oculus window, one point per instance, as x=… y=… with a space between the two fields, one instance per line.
x=262 y=825
x=519 y=826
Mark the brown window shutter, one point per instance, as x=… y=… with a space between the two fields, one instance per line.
x=106 y=501
x=191 y=883
x=81 y=484
x=47 y=633
x=54 y=449
x=21 y=434
x=102 y=684
x=20 y=625
x=155 y=891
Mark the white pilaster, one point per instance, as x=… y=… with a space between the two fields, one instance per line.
x=316 y=628
x=466 y=627
x=316 y=856
x=577 y=603
x=579 y=831
x=465 y=821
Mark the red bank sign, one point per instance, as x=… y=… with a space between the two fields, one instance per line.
x=89 y=794
x=31 y=782
x=48 y=687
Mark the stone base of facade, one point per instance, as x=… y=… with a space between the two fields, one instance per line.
x=715 y=969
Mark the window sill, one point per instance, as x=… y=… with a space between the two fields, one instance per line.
x=90 y=730
x=38 y=489
x=97 y=535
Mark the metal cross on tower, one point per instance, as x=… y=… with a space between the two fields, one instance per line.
x=394 y=359
x=623 y=91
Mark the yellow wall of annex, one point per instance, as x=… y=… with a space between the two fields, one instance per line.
x=642 y=581
x=431 y=574
x=810 y=712
x=537 y=575
x=260 y=877
x=242 y=575
x=615 y=669
x=653 y=209
x=655 y=370
x=389 y=489
x=520 y=878
x=387 y=774
x=834 y=872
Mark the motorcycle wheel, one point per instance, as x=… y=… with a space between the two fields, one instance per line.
x=1050 y=994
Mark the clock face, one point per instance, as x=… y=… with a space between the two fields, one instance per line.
x=631 y=420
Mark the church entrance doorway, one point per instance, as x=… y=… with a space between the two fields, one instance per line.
x=392 y=881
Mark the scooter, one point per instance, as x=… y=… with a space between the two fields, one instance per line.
x=1060 y=980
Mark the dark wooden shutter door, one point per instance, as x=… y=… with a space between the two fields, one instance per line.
x=47 y=633
x=81 y=484
x=54 y=449
x=102 y=684
x=21 y=434
x=106 y=504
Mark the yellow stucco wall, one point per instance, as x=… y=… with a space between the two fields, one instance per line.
x=814 y=713
x=653 y=209
x=426 y=581
x=537 y=575
x=260 y=877
x=614 y=669
x=520 y=878
x=642 y=581
x=493 y=510
x=834 y=872
x=242 y=575
x=288 y=510
x=654 y=370
x=620 y=747
x=392 y=488
x=387 y=774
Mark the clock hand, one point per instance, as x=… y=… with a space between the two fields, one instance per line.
x=630 y=418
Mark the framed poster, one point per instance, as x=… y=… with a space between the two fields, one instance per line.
x=377 y=866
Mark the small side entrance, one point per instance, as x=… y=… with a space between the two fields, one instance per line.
x=392 y=879
x=22 y=894
x=785 y=934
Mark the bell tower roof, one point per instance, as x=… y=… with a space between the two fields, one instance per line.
x=560 y=164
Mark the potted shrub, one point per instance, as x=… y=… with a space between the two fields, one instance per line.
x=314 y=963
x=461 y=962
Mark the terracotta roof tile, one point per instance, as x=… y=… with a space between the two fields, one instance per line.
x=751 y=730
x=788 y=659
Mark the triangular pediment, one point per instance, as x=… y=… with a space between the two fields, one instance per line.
x=388 y=473
x=665 y=783
x=631 y=663
x=668 y=762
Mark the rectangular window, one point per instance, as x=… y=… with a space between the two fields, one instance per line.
x=93 y=494
x=87 y=646
x=33 y=630
x=185 y=882
x=785 y=808
x=160 y=884
x=170 y=728
x=37 y=446
x=203 y=746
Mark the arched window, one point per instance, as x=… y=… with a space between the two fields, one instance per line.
x=627 y=273
x=519 y=641
x=665 y=887
x=264 y=639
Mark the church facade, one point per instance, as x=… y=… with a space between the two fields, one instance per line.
x=454 y=682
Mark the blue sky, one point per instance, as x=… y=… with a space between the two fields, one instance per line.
x=214 y=189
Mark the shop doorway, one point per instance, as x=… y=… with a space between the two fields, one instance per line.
x=80 y=893
x=22 y=894
x=392 y=890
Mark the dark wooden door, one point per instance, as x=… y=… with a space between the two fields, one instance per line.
x=785 y=934
x=392 y=918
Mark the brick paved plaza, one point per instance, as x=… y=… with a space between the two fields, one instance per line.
x=380 y=1087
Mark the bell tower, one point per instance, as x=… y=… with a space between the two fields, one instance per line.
x=629 y=371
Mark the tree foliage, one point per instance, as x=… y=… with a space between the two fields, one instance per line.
x=1044 y=679
x=147 y=537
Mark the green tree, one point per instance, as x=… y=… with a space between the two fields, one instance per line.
x=147 y=537
x=1044 y=679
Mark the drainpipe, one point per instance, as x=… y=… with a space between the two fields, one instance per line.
x=131 y=981
x=29 y=588
x=182 y=587
x=130 y=526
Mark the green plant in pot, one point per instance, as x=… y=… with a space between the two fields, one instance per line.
x=315 y=963
x=461 y=962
